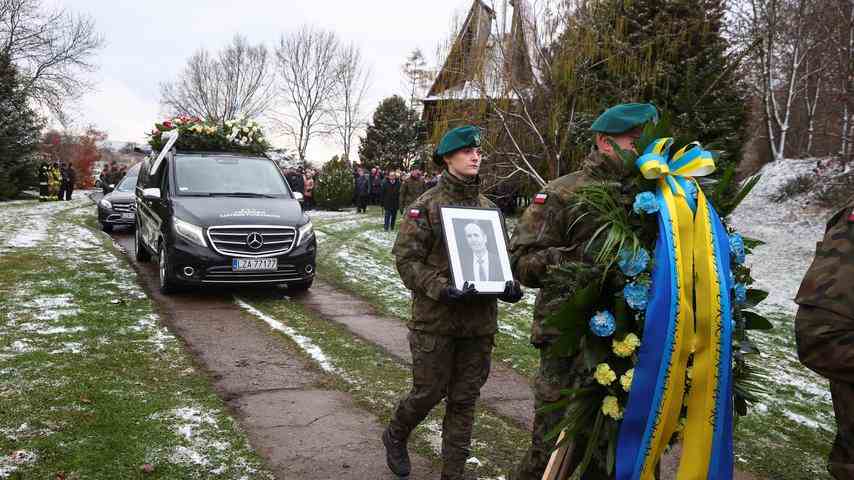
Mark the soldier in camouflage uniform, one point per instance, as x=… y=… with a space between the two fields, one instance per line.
x=411 y=189
x=824 y=327
x=451 y=330
x=543 y=239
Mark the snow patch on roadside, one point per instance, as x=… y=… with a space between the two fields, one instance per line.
x=382 y=239
x=15 y=460
x=305 y=343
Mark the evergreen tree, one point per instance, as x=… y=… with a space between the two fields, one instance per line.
x=394 y=137
x=668 y=52
x=19 y=133
x=333 y=188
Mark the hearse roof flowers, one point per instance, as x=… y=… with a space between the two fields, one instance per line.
x=237 y=135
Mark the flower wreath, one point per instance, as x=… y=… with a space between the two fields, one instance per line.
x=660 y=318
x=238 y=135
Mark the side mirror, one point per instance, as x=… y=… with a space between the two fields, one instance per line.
x=298 y=197
x=111 y=187
x=151 y=194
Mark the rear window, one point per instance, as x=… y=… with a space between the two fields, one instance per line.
x=228 y=175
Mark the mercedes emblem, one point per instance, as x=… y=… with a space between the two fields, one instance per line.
x=254 y=240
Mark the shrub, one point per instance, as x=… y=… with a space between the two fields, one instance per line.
x=794 y=187
x=835 y=192
x=333 y=188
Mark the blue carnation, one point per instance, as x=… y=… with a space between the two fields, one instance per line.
x=633 y=263
x=740 y=293
x=603 y=324
x=637 y=295
x=736 y=248
x=645 y=202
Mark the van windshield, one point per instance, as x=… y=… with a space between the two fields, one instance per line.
x=228 y=175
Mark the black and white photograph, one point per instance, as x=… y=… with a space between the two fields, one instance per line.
x=477 y=248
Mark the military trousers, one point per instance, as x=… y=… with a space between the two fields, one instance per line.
x=554 y=374
x=826 y=346
x=450 y=368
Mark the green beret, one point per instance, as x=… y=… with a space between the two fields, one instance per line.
x=460 y=137
x=624 y=117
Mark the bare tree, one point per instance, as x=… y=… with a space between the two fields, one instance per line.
x=52 y=49
x=784 y=62
x=416 y=77
x=237 y=82
x=348 y=113
x=308 y=81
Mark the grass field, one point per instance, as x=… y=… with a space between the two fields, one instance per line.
x=91 y=386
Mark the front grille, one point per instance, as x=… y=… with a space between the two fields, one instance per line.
x=124 y=207
x=232 y=240
x=285 y=273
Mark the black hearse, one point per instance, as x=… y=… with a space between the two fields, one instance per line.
x=221 y=218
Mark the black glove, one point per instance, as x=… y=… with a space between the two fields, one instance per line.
x=512 y=292
x=455 y=295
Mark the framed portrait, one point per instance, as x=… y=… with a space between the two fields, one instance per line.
x=477 y=247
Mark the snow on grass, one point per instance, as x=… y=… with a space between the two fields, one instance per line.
x=74 y=295
x=15 y=460
x=305 y=343
x=790 y=230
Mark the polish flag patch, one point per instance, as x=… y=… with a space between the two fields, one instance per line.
x=851 y=217
x=414 y=213
x=540 y=198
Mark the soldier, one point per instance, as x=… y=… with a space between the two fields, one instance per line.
x=824 y=328
x=451 y=331
x=411 y=188
x=543 y=239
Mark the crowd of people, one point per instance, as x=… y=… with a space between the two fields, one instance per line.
x=56 y=181
x=302 y=180
x=392 y=190
x=111 y=175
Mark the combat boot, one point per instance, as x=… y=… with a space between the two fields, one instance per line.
x=396 y=455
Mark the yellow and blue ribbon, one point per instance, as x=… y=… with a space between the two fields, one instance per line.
x=689 y=311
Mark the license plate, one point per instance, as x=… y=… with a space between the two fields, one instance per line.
x=127 y=216
x=254 y=264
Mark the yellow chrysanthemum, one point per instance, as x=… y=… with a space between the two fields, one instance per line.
x=611 y=407
x=627 y=346
x=626 y=379
x=604 y=375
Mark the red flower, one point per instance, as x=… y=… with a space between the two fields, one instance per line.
x=167 y=124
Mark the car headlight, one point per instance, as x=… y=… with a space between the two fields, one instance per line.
x=106 y=203
x=305 y=232
x=188 y=231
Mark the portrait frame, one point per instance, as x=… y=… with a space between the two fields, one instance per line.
x=485 y=227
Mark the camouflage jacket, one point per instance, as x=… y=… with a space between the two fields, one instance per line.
x=825 y=333
x=543 y=237
x=422 y=261
x=410 y=190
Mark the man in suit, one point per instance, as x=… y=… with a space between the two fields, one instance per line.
x=482 y=265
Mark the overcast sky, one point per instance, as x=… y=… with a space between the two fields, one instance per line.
x=148 y=42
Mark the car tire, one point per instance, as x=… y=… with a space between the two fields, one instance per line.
x=106 y=227
x=166 y=282
x=142 y=255
x=300 y=287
